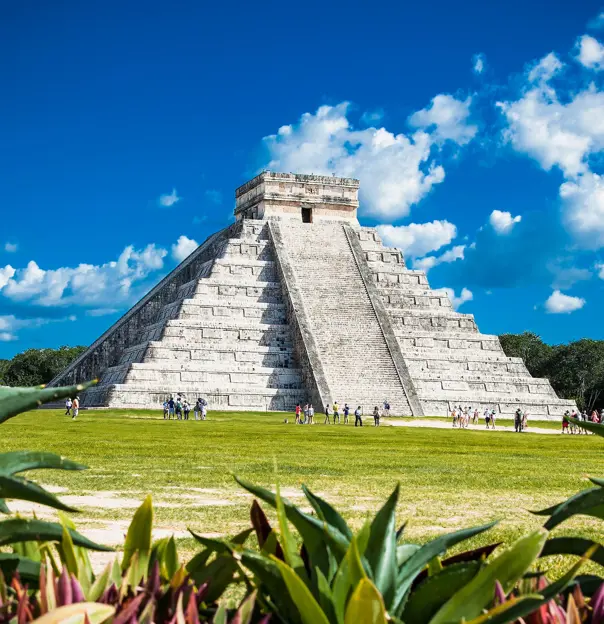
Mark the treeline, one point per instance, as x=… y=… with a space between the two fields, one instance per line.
x=575 y=370
x=36 y=366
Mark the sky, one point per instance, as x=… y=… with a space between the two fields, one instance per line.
x=477 y=134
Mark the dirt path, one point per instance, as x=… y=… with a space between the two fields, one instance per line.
x=439 y=424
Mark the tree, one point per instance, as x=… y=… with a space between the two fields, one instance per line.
x=37 y=366
x=528 y=346
x=577 y=372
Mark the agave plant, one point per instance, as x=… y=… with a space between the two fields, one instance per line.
x=339 y=576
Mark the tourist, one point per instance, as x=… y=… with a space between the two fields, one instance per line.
x=166 y=408
x=524 y=420
x=197 y=409
x=298 y=411
x=306 y=414
x=376 y=416
x=178 y=408
x=358 y=413
x=171 y=407
x=68 y=405
x=487 y=417
x=75 y=407
x=565 y=422
x=186 y=408
x=327 y=415
x=475 y=417
x=386 y=408
x=518 y=420
x=204 y=409
x=454 y=417
x=311 y=415
x=336 y=413
x=493 y=418
x=346 y=412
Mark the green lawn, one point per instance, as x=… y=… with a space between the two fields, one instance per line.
x=450 y=478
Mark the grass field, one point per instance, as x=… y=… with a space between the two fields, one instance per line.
x=450 y=478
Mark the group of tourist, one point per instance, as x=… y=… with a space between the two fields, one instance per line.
x=72 y=407
x=461 y=417
x=569 y=427
x=180 y=408
x=306 y=415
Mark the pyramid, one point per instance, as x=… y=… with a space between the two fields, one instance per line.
x=297 y=302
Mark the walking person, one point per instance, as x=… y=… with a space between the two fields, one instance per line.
x=165 y=406
x=475 y=417
x=170 y=407
x=178 y=408
x=565 y=422
x=75 y=407
x=306 y=414
x=186 y=409
x=68 y=405
x=386 y=408
x=197 y=409
x=358 y=413
x=298 y=412
x=376 y=416
x=311 y=415
x=336 y=413
x=454 y=417
x=493 y=418
x=487 y=417
x=518 y=420
x=524 y=419
x=327 y=415
x=346 y=412
x=204 y=408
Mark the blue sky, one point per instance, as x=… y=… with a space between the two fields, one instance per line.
x=478 y=136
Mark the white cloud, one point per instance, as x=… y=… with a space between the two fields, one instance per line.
x=545 y=69
x=600 y=269
x=10 y=247
x=559 y=303
x=447 y=117
x=86 y=284
x=397 y=170
x=583 y=199
x=502 y=221
x=370 y=118
x=479 y=63
x=9 y=324
x=101 y=311
x=418 y=239
x=169 y=199
x=464 y=295
x=567 y=277
x=428 y=262
x=590 y=53
x=183 y=247
x=5 y=275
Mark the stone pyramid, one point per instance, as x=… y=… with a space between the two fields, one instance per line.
x=297 y=302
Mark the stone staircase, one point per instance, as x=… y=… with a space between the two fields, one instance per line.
x=357 y=363
x=225 y=337
x=450 y=361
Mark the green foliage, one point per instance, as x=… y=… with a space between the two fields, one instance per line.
x=37 y=366
x=575 y=370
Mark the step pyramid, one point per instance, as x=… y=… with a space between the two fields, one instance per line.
x=296 y=302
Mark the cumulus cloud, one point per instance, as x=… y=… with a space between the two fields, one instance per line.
x=418 y=239
x=397 y=170
x=168 y=199
x=584 y=215
x=369 y=118
x=428 y=262
x=447 y=118
x=559 y=303
x=597 y=22
x=86 y=284
x=183 y=247
x=590 y=53
x=502 y=221
x=457 y=301
x=10 y=247
x=9 y=324
x=478 y=63
x=545 y=69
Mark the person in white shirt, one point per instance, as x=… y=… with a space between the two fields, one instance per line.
x=75 y=408
x=68 y=405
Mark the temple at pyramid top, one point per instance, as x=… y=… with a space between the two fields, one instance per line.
x=306 y=198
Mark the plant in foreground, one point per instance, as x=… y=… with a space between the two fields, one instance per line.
x=326 y=574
